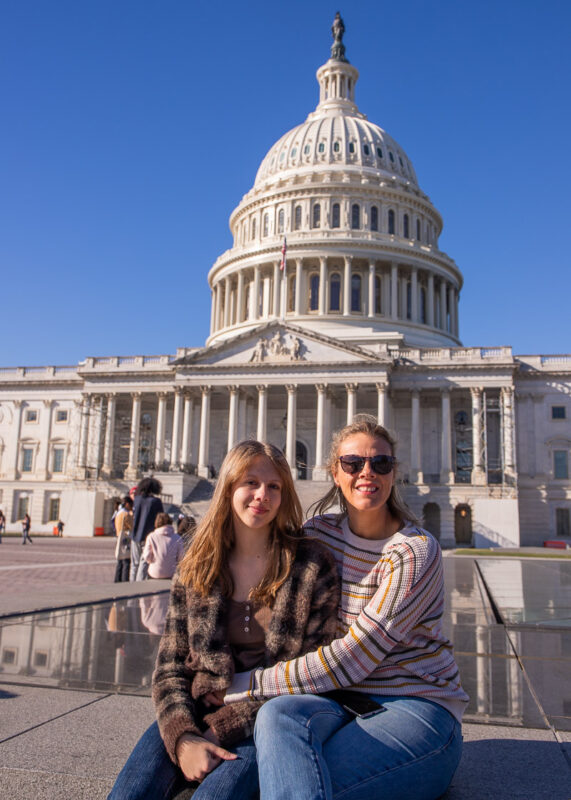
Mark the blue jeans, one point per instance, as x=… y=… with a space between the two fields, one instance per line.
x=149 y=774
x=308 y=746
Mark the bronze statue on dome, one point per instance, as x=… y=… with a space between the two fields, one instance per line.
x=338 y=48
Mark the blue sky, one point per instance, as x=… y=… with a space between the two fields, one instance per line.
x=131 y=129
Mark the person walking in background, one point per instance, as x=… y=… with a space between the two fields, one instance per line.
x=26 y=525
x=163 y=548
x=145 y=510
x=123 y=528
x=60 y=527
x=2 y=524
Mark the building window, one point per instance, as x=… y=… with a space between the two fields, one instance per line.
x=31 y=415
x=379 y=152
x=306 y=150
x=321 y=148
x=366 y=149
x=297 y=218
x=355 y=292
x=316 y=217
x=335 y=147
x=374 y=218
x=560 y=464
x=40 y=658
x=351 y=147
x=266 y=224
x=281 y=217
x=558 y=412
x=53 y=509
x=253 y=236
x=335 y=292
x=391 y=221
x=392 y=158
x=9 y=655
x=335 y=215
x=23 y=506
x=57 y=465
x=314 y=293
x=562 y=522
x=61 y=415
x=355 y=216
x=378 y=295
x=418 y=230
x=405 y=227
x=27 y=459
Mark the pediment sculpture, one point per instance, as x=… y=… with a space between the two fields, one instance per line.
x=278 y=348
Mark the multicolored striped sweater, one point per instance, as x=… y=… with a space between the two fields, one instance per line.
x=390 y=639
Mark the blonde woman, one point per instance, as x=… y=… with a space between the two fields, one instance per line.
x=251 y=590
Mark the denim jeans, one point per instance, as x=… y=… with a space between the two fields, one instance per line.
x=149 y=774
x=136 y=553
x=308 y=746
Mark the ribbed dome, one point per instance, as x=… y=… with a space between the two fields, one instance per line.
x=336 y=136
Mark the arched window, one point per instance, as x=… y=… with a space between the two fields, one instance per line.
x=253 y=228
x=418 y=230
x=291 y=293
x=335 y=147
x=391 y=221
x=355 y=292
x=297 y=218
x=355 y=216
x=374 y=218
x=314 y=293
x=378 y=295
x=266 y=225
x=316 y=217
x=405 y=227
x=335 y=215
x=422 y=309
x=321 y=148
x=335 y=292
x=281 y=217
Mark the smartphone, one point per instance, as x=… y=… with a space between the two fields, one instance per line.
x=356 y=703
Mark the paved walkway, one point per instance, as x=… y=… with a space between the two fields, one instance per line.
x=74 y=682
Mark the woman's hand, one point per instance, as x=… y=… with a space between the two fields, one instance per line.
x=214 y=698
x=197 y=756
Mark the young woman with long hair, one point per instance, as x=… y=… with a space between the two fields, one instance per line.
x=392 y=657
x=251 y=590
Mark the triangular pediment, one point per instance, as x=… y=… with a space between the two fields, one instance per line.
x=277 y=343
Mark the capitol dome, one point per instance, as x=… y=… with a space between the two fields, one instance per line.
x=338 y=200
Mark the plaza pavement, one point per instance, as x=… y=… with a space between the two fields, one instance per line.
x=63 y=738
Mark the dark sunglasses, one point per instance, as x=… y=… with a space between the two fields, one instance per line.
x=382 y=465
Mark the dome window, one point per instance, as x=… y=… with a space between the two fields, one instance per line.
x=321 y=148
x=405 y=227
x=366 y=150
x=335 y=147
x=306 y=150
x=316 y=217
x=266 y=225
x=374 y=218
x=335 y=215
x=294 y=152
x=378 y=295
x=391 y=221
x=253 y=228
x=314 y=293
x=282 y=156
x=297 y=218
x=351 y=147
x=281 y=218
x=400 y=161
x=418 y=230
x=392 y=158
x=355 y=216
x=335 y=292
x=379 y=152
x=355 y=292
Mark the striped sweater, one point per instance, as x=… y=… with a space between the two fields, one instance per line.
x=390 y=639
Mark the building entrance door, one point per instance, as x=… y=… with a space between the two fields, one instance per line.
x=463 y=525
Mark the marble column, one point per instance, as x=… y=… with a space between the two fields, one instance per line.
x=45 y=436
x=322 y=303
x=218 y=303
x=443 y=295
x=382 y=405
x=176 y=431
x=107 y=469
x=227 y=303
x=133 y=466
x=255 y=295
x=261 y=430
x=372 y=298
x=291 y=430
x=185 y=456
x=508 y=459
x=430 y=301
x=212 y=311
x=160 y=432
x=13 y=454
x=394 y=291
x=453 y=311
x=351 y=401
x=320 y=470
x=233 y=415
x=478 y=476
x=403 y=297
x=276 y=289
x=414 y=294
x=347 y=286
x=240 y=298
x=85 y=416
x=446 y=473
x=204 y=442
x=298 y=286
x=416 y=474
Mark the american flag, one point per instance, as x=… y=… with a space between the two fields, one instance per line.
x=284 y=251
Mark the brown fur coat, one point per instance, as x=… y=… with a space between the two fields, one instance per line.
x=194 y=655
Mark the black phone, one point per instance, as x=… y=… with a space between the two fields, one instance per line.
x=356 y=703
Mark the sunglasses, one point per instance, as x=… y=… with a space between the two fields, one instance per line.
x=382 y=465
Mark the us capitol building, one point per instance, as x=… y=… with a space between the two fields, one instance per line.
x=359 y=314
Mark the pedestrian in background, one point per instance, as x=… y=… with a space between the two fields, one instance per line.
x=60 y=527
x=2 y=524
x=163 y=548
x=145 y=510
x=26 y=525
x=123 y=528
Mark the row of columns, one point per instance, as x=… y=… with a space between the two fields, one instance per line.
x=268 y=295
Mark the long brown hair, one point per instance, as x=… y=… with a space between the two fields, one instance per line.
x=206 y=560
x=362 y=423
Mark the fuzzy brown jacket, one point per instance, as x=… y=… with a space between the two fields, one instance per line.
x=194 y=655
